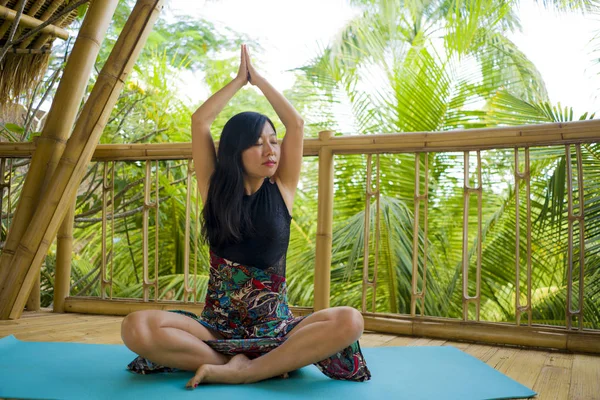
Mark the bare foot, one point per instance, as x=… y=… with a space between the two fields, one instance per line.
x=233 y=372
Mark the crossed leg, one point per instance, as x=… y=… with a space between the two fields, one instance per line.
x=170 y=339
x=317 y=337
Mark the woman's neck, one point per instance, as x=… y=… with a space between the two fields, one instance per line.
x=252 y=184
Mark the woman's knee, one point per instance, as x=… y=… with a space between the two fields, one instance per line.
x=350 y=322
x=135 y=330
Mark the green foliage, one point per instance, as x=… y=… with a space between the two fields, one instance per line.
x=402 y=67
x=389 y=65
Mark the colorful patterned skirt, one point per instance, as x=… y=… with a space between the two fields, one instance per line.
x=248 y=307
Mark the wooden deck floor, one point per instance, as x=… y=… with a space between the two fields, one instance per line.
x=554 y=375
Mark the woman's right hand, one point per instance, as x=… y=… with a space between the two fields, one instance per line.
x=242 y=75
x=253 y=76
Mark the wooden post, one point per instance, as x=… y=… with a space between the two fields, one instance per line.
x=324 y=225
x=51 y=143
x=64 y=250
x=78 y=153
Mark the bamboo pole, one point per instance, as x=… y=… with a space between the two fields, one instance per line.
x=196 y=241
x=35 y=7
x=84 y=305
x=467 y=191
x=30 y=51
x=4 y=185
x=147 y=206
x=52 y=8
x=410 y=142
x=34 y=300
x=487 y=332
x=187 y=290
x=107 y=255
x=64 y=252
x=17 y=150
x=30 y=22
x=366 y=236
x=322 y=284
x=417 y=294
x=366 y=281
x=571 y=218
x=522 y=176
x=77 y=155
x=50 y=145
x=44 y=37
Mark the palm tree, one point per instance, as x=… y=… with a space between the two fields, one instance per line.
x=435 y=66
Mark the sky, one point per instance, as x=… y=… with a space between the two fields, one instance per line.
x=292 y=32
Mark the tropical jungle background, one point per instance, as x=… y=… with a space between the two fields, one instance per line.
x=401 y=66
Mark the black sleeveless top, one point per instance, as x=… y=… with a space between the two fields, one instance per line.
x=267 y=245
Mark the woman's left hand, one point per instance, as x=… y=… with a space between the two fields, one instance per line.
x=253 y=76
x=242 y=74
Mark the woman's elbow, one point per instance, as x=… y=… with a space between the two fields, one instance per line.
x=199 y=123
x=196 y=118
x=297 y=124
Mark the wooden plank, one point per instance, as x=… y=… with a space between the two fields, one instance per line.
x=400 y=341
x=50 y=322
x=459 y=345
x=563 y=360
x=481 y=351
x=53 y=328
x=371 y=339
x=585 y=378
x=524 y=366
x=427 y=342
x=73 y=334
x=113 y=337
x=5 y=324
x=553 y=383
x=46 y=322
x=42 y=312
x=500 y=357
x=53 y=333
x=103 y=337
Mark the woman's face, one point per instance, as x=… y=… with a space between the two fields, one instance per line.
x=262 y=158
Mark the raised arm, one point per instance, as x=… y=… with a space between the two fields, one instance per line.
x=203 y=147
x=290 y=162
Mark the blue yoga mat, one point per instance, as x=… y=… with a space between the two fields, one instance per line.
x=37 y=370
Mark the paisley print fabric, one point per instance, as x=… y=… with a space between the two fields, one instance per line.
x=248 y=307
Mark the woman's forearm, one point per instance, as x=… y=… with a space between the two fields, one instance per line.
x=208 y=111
x=286 y=112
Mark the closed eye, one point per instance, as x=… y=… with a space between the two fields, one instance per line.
x=273 y=143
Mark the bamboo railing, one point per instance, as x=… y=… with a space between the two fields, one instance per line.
x=573 y=337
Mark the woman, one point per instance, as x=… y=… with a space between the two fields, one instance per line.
x=246 y=332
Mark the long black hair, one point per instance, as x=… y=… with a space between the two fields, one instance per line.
x=224 y=217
